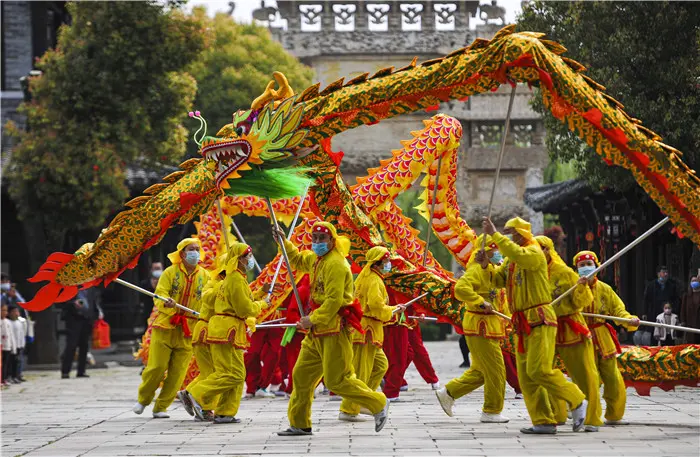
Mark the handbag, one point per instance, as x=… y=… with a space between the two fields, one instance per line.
x=101 y=335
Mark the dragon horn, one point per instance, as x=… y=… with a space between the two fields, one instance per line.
x=270 y=94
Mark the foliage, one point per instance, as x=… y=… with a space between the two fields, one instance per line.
x=113 y=91
x=234 y=70
x=648 y=56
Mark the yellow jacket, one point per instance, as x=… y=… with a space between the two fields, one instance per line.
x=568 y=310
x=473 y=288
x=605 y=301
x=211 y=290
x=185 y=289
x=524 y=275
x=376 y=312
x=234 y=304
x=331 y=286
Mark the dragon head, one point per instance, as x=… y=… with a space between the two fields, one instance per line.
x=267 y=132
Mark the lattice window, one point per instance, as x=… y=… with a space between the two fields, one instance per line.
x=344 y=15
x=445 y=16
x=411 y=16
x=490 y=135
x=378 y=14
x=311 y=17
x=522 y=135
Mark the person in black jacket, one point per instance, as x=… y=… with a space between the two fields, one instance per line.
x=79 y=315
x=660 y=291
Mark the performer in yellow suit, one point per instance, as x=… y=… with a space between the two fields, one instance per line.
x=605 y=301
x=524 y=275
x=483 y=331
x=326 y=351
x=200 y=347
x=171 y=346
x=227 y=339
x=369 y=359
x=574 y=343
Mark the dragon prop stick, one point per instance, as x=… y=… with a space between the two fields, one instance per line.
x=151 y=294
x=425 y=318
x=286 y=257
x=257 y=327
x=223 y=226
x=647 y=323
x=410 y=302
x=506 y=127
x=240 y=237
x=612 y=259
x=289 y=236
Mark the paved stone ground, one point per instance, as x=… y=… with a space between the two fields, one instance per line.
x=91 y=417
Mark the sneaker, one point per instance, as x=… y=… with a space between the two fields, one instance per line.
x=545 y=429
x=335 y=398
x=208 y=417
x=263 y=393
x=185 y=400
x=161 y=415
x=464 y=365
x=403 y=388
x=518 y=396
x=83 y=375
x=325 y=391
x=493 y=418
x=579 y=415
x=63 y=376
x=393 y=399
x=348 y=417
x=138 y=408
x=294 y=431
x=617 y=422
x=446 y=401
x=279 y=393
x=226 y=420
x=435 y=385
x=590 y=428
x=381 y=417
x=249 y=395
x=198 y=410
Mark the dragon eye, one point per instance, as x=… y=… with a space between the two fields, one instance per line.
x=241 y=130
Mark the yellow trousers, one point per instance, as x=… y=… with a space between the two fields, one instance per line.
x=331 y=358
x=614 y=390
x=202 y=355
x=170 y=351
x=370 y=364
x=538 y=378
x=488 y=370
x=579 y=360
x=226 y=382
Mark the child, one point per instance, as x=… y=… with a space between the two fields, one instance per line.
x=19 y=330
x=7 y=340
x=666 y=337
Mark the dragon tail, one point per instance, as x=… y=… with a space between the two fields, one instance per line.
x=52 y=292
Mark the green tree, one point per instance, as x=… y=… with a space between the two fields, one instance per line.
x=114 y=91
x=647 y=54
x=232 y=72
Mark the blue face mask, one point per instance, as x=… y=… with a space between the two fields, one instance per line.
x=251 y=263
x=695 y=285
x=387 y=267
x=497 y=258
x=320 y=249
x=585 y=271
x=192 y=257
x=157 y=273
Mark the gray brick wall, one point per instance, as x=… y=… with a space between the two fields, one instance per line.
x=17 y=31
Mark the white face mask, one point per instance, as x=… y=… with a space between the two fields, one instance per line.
x=250 y=264
x=157 y=273
x=386 y=267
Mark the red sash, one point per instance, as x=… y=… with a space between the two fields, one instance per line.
x=351 y=314
x=521 y=327
x=613 y=334
x=181 y=321
x=575 y=326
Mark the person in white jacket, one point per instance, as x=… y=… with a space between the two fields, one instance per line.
x=666 y=337
x=7 y=340
x=19 y=331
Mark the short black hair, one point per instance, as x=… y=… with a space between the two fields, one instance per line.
x=662 y=268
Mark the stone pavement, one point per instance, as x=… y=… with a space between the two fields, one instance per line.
x=48 y=416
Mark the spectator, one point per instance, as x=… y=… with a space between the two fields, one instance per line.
x=660 y=291
x=7 y=341
x=665 y=336
x=690 y=310
x=150 y=284
x=19 y=333
x=10 y=295
x=79 y=315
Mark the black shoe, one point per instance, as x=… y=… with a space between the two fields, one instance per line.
x=82 y=375
x=65 y=376
x=464 y=365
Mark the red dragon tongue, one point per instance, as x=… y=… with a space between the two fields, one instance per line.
x=52 y=292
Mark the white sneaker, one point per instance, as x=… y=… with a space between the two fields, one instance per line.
x=493 y=418
x=138 y=408
x=161 y=415
x=381 y=417
x=263 y=393
x=446 y=401
x=393 y=399
x=349 y=417
x=403 y=388
x=590 y=428
x=518 y=396
x=435 y=385
x=335 y=398
x=579 y=415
